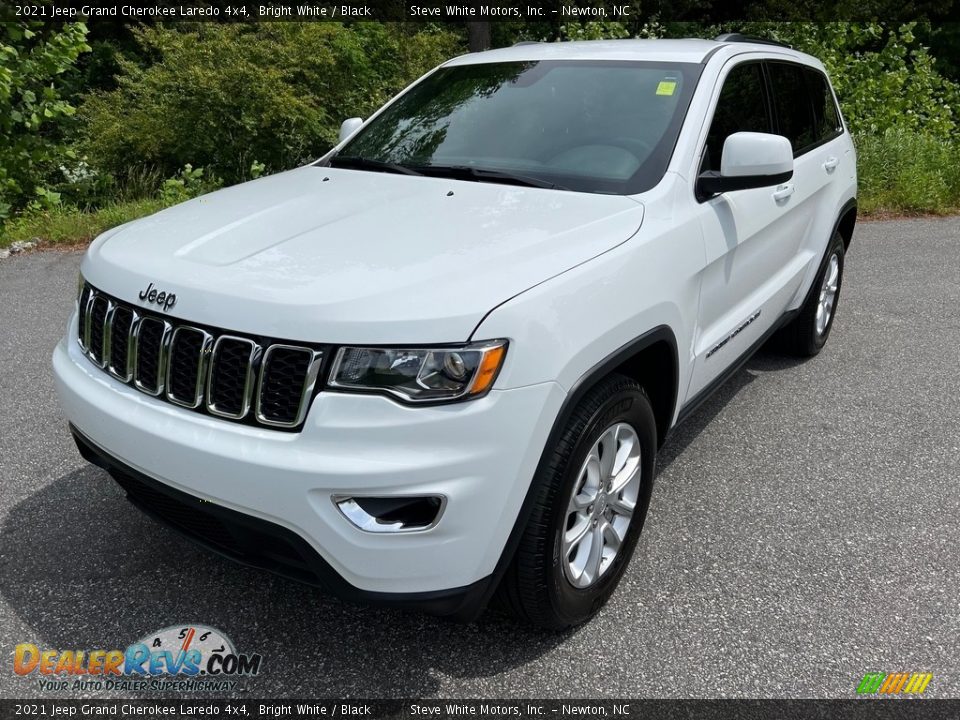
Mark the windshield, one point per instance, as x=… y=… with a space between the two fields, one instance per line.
x=591 y=126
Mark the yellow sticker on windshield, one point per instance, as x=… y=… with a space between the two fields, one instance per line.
x=666 y=87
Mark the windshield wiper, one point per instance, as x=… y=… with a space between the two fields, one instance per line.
x=469 y=172
x=362 y=163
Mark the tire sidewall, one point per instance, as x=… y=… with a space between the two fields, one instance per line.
x=836 y=247
x=629 y=406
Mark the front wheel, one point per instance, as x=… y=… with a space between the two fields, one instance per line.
x=590 y=502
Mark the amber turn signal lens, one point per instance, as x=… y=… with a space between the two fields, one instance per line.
x=492 y=360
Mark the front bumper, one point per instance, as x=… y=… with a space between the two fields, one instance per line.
x=479 y=455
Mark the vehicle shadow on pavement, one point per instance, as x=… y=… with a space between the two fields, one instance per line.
x=767 y=359
x=84 y=569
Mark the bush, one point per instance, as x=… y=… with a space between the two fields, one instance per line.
x=32 y=63
x=234 y=97
x=186 y=184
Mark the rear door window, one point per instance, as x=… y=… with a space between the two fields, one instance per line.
x=792 y=104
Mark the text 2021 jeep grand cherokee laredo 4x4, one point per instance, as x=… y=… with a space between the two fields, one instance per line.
x=438 y=363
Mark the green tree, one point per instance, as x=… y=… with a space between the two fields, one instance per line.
x=225 y=96
x=33 y=60
x=885 y=78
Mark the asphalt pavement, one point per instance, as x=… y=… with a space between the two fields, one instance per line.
x=804 y=529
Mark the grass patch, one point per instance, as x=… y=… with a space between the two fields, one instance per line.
x=905 y=173
x=72 y=226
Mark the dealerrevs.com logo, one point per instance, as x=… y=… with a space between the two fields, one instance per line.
x=182 y=658
x=894 y=683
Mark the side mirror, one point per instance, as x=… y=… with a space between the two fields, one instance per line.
x=749 y=160
x=349 y=127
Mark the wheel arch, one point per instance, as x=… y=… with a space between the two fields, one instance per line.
x=653 y=351
x=846 y=221
x=652 y=360
x=655 y=365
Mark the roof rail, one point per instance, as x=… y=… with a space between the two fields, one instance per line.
x=527 y=42
x=741 y=38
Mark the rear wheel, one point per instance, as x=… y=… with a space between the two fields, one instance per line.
x=807 y=333
x=590 y=503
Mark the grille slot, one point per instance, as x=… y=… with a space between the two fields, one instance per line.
x=120 y=327
x=189 y=348
x=99 y=307
x=287 y=377
x=151 y=337
x=201 y=368
x=230 y=386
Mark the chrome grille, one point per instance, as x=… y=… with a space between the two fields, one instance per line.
x=84 y=305
x=230 y=389
x=150 y=344
x=284 y=377
x=121 y=326
x=246 y=379
x=99 y=308
x=189 y=349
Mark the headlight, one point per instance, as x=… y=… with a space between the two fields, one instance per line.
x=420 y=375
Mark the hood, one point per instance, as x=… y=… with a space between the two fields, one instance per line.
x=346 y=256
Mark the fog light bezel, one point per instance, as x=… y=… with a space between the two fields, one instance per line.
x=364 y=521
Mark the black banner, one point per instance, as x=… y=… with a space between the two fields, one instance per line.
x=862 y=709
x=474 y=11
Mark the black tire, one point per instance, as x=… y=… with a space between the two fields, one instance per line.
x=535 y=587
x=801 y=337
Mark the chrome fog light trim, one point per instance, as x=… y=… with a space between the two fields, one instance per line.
x=351 y=509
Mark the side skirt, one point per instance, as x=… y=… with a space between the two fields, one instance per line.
x=688 y=409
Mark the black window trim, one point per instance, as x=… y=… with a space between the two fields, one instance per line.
x=773 y=106
x=767 y=99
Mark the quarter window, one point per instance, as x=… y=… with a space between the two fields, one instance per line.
x=742 y=107
x=825 y=116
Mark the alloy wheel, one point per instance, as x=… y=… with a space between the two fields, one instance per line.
x=601 y=505
x=828 y=294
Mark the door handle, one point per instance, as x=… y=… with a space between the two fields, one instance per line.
x=783 y=192
x=831 y=164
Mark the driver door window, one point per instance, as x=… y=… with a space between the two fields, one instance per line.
x=742 y=107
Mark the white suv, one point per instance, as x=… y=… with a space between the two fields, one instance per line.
x=437 y=364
